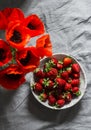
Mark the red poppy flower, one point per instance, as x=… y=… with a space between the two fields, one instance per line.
x=10 y=14
x=28 y=58
x=44 y=46
x=17 y=35
x=5 y=53
x=11 y=77
x=34 y=24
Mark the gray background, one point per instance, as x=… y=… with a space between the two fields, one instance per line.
x=69 y=24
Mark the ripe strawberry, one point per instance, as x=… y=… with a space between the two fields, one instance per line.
x=38 y=87
x=67 y=87
x=59 y=66
x=46 y=67
x=51 y=84
x=67 y=61
x=76 y=75
x=54 y=93
x=75 y=82
x=61 y=96
x=51 y=100
x=75 y=89
x=60 y=102
x=52 y=73
x=68 y=97
x=69 y=70
x=43 y=97
x=75 y=67
x=58 y=92
x=39 y=73
x=41 y=81
x=69 y=80
x=65 y=75
x=48 y=84
x=60 y=82
x=53 y=61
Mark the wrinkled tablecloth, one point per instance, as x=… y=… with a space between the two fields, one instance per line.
x=69 y=24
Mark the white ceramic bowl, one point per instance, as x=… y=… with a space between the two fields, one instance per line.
x=83 y=83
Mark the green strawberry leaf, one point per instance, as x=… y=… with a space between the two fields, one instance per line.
x=78 y=93
x=60 y=61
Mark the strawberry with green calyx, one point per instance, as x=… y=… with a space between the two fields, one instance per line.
x=75 y=82
x=60 y=103
x=39 y=73
x=75 y=67
x=48 y=84
x=56 y=92
x=46 y=67
x=53 y=93
x=53 y=62
x=45 y=82
x=69 y=70
x=52 y=73
x=67 y=61
x=50 y=64
x=37 y=87
x=68 y=87
x=51 y=100
x=61 y=95
x=68 y=97
x=76 y=91
x=69 y=80
x=43 y=97
x=65 y=75
x=59 y=65
x=60 y=82
x=41 y=81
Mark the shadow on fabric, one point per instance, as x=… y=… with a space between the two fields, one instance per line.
x=10 y=100
x=6 y=99
x=53 y=116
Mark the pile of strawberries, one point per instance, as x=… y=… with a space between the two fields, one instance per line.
x=58 y=81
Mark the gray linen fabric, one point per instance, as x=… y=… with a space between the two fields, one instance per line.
x=69 y=24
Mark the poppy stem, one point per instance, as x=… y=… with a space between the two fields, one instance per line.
x=4 y=66
x=13 y=50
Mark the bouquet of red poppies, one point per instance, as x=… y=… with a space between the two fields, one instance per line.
x=17 y=58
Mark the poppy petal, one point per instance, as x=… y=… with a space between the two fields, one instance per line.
x=12 y=14
x=44 y=46
x=34 y=24
x=11 y=77
x=16 y=14
x=28 y=58
x=17 y=35
x=5 y=53
x=7 y=11
x=3 y=22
